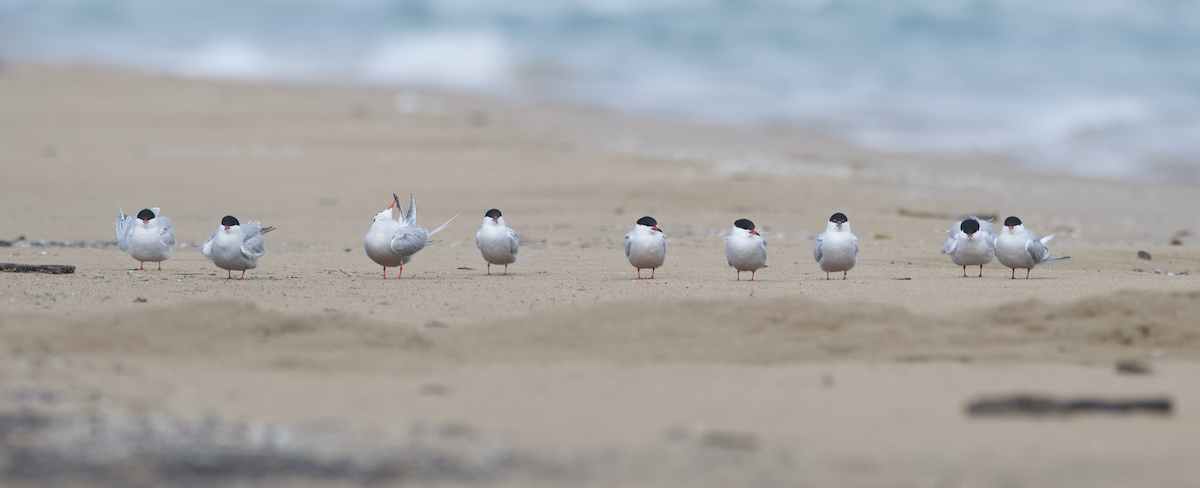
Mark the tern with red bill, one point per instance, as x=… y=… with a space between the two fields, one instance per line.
x=836 y=248
x=147 y=237
x=745 y=249
x=235 y=246
x=497 y=242
x=645 y=246
x=392 y=242
x=1017 y=247
x=972 y=242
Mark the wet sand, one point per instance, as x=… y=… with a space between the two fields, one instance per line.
x=568 y=370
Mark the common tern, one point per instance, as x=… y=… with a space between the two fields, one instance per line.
x=391 y=242
x=496 y=242
x=236 y=247
x=645 y=246
x=836 y=248
x=745 y=249
x=147 y=237
x=971 y=242
x=1017 y=247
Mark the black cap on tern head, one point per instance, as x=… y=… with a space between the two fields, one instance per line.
x=648 y=221
x=970 y=226
x=839 y=218
x=491 y=214
x=1011 y=221
x=146 y=214
x=744 y=224
x=229 y=220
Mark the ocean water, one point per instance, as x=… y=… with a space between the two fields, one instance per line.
x=1105 y=88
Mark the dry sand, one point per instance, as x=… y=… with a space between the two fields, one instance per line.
x=567 y=372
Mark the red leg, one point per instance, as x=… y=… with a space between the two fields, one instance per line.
x=652 y=273
x=1014 y=274
x=639 y=273
x=1027 y=270
x=964 y=271
x=843 y=275
x=401 y=272
x=385 y=272
x=243 y=275
x=489 y=269
x=506 y=270
x=160 y=265
x=826 y=276
x=739 y=275
x=981 y=271
x=751 y=274
x=228 y=274
x=140 y=264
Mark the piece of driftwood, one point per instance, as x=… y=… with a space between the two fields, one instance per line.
x=1040 y=405
x=37 y=268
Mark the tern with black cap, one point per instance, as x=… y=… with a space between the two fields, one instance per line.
x=646 y=246
x=236 y=246
x=972 y=242
x=148 y=237
x=745 y=248
x=497 y=242
x=836 y=248
x=1018 y=247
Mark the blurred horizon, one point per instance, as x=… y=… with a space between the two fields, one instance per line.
x=1105 y=89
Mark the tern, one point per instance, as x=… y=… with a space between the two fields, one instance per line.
x=392 y=242
x=972 y=242
x=645 y=246
x=1017 y=247
x=147 y=237
x=745 y=249
x=236 y=247
x=836 y=248
x=497 y=243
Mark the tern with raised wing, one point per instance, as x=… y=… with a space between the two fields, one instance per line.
x=148 y=237
x=392 y=242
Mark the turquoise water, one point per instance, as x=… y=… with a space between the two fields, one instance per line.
x=1107 y=88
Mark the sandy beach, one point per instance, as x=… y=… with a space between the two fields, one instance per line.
x=314 y=371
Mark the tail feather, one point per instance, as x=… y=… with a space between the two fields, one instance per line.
x=432 y=242
x=266 y=230
x=445 y=224
x=1055 y=259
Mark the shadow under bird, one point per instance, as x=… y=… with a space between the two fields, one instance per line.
x=646 y=246
x=745 y=249
x=1017 y=247
x=836 y=248
x=392 y=242
x=498 y=243
x=148 y=237
x=972 y=242
x=236 y=247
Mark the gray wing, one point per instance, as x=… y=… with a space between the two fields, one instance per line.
x=253 y=246
x=479 y=238
x=168 y=232
x=990 y=231
x=952 y=239
x=628 y=244
x=817 y=247
x=514 y=244
x=206 y=248
x=410 y=219
x=407 y=241
x=852 y=236
x=1036 y=250
x=124 y=229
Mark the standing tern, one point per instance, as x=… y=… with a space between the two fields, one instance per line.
x=1017 y=247
x=645 y=246
x=391 y=242
x=496 y=242
x=147 y=237
x=836 y=248
x=971 y=242
x=236 y=247
x=745 y=249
